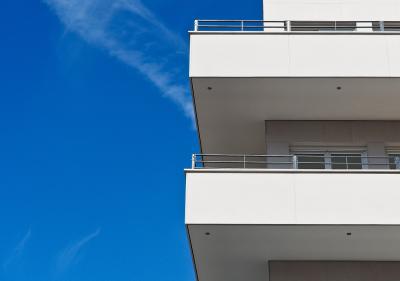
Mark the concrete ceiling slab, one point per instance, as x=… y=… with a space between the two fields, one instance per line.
x=242 y=252
x=231 y=112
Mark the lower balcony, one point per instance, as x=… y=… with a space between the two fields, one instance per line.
x=247 y=222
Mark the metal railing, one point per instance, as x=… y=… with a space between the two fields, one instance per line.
x=293 y=26
x=340 y=162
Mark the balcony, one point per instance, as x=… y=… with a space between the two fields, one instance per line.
x=251 y=48
x=293 y=189
x=245 y=72
x=246 y=213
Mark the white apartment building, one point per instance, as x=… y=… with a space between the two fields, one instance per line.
x=298 y=118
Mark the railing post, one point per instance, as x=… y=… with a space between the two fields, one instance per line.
x=196 y=25
x=328 y=161
x=288 y=26
x=244 y=161
x=242 y=22
x=382 y=25
x=397 y=162
x=365 y=162
x=294 y=162
x=193 y=161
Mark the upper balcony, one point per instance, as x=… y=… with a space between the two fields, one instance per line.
x=251 y=48
x=246 y=72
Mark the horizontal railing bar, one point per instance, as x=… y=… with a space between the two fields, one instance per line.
x=237 y=20
x=300 y=26
x=299 y=162
x=239 y=26
x=247 y=162
x=272 y=21
x=247 y=155
x=291 y=155
x=307 y=26
x=293 y=26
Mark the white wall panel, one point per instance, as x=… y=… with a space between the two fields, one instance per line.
x=338 y=55
x=299 y=55
x=231 y=55
x=292 y=198
x=226 y=199
x=331 y=10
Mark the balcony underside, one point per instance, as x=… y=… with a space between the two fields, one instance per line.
x=242 y=252
x=231 y=112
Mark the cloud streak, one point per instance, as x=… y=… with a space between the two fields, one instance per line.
x=18 y=250
x=130 y=32
x=69 y=255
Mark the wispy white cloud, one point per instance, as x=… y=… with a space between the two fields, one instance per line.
x=70 y=254
x=132 y=33
x=18 y=250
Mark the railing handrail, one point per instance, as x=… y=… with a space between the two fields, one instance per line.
x=288 y=155
x=295 y=25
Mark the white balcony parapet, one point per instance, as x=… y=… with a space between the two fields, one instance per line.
x=295 y=26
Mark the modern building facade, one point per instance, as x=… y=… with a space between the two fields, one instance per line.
x=298 y=117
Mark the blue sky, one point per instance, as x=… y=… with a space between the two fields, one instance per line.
x=95 y=130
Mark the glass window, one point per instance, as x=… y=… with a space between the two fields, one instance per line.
x=392 y=26
x=394 y=161
x=386 y=26
x=346 y=161
x=339 y=160
x=310 y=161
x=323 y=25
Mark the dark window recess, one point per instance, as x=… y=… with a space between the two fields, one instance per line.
x=311 y=161
x=346 y=161
x=386 y=26
x=323 y=25
x=392 y=25
x=394 y=161
x=377 y=26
